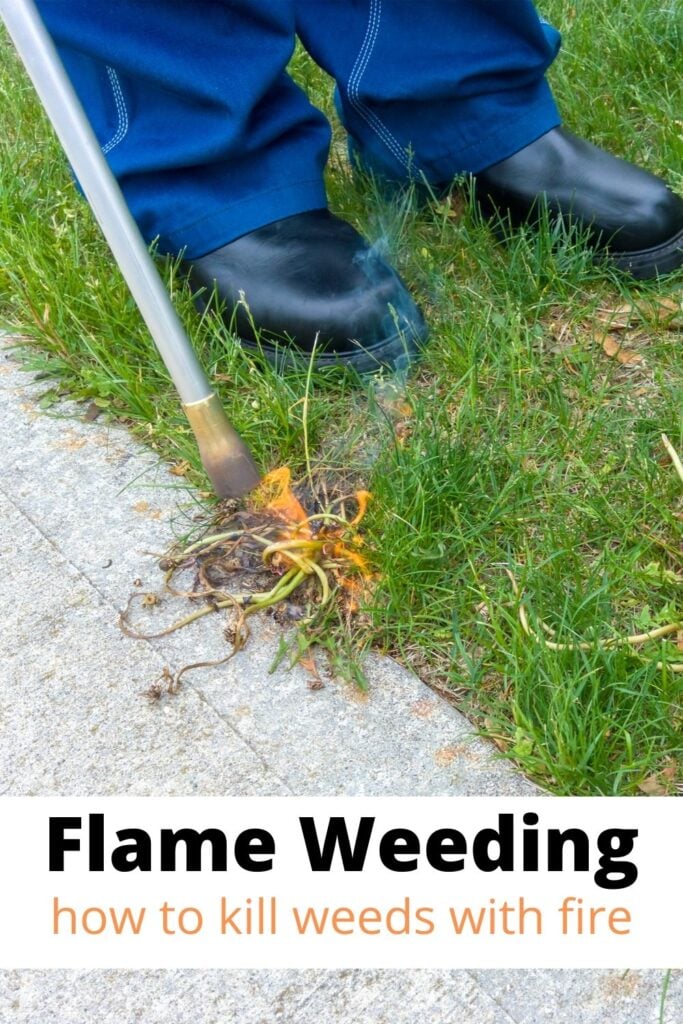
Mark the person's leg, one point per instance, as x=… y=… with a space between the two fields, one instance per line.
x=432 y=89
x=220 y=157
x=438 y=87
x=206 y=133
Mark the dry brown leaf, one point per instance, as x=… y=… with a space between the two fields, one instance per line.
x=499 y=741
x=307 y=661
x=613 y=348
x=665 y=311
x=629 y=358
x=180 y=468
x=662 y=309
x=611 y=345
x=651 y=786
x=618 y=318
x=679 y=640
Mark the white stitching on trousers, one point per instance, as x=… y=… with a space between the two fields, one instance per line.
x=353 y=86
x=364 y=57
x=122 y=113
x=361 y=52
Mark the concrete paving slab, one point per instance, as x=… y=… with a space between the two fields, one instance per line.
x=72 y=714
x=82 y=508
x=337 y=997
x=589 y=997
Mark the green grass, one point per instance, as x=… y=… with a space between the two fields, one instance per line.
x=527 y=447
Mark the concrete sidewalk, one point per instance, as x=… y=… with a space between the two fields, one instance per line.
x=84 y=512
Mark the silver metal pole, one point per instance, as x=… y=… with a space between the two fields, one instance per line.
x=44 y=67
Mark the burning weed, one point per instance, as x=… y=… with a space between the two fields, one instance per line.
x=272 y=555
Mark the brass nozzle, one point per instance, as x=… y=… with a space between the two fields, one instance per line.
x=225 y=457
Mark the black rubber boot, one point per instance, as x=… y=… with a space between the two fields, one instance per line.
x=630 y=214
x=312 y=276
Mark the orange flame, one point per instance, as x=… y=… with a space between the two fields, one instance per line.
x=334 y=540
x=275 y=494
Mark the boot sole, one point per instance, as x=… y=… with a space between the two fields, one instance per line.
x=395 y=354
x=649 y=263
x=642 y=264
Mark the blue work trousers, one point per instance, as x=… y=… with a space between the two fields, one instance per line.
x=210 y=138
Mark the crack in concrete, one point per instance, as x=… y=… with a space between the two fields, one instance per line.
x=509 y=1019
x=158 y=654
x=243 y=739
x=281 y=1010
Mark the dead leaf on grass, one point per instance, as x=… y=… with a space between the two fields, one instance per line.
x=500 y=741
x=180 y=468
x=652 y=786
x=617 y=318
x=613 y=348
x=664 y=311
x=660 y=783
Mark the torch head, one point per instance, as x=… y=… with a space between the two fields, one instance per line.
x=227 y=460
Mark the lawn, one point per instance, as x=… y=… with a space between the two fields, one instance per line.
x=523 y=457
